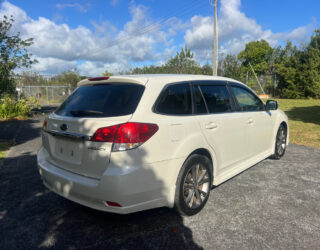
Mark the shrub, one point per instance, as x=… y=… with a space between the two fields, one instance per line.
x=10 y=108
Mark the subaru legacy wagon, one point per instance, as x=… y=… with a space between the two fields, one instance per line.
x=123 y=144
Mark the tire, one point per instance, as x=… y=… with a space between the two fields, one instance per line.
x=191 y=196
x=281 y=143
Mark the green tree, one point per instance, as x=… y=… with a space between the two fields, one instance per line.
x=288 y=68
x=206 y=69
x=13 y=55
x=107 y=73
x=28 y=78
x=231 y=67
x=68 y=77
x=310 y=70
x=183 y=63
x=298 y=70
x=258 y=54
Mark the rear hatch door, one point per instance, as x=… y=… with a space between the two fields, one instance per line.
x=70 y=128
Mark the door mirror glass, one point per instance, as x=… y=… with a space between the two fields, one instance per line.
x=272 y=105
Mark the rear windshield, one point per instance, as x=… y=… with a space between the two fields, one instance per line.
x=102 y=100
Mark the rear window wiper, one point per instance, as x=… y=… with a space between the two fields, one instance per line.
x=85 y=112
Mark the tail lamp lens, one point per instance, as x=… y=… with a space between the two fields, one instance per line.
x=126 y=136
x=105 y=134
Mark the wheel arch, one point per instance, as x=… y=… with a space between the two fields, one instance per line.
x=207 y=153
x=286 y=125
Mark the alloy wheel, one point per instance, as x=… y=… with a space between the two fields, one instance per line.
x=281 y=141
x=196 y=186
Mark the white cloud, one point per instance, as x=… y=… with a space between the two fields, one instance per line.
x=114 y=2
x=98 y=68
x=19 y=15
x=50 y=65
x=103 y=45
x=77 y=6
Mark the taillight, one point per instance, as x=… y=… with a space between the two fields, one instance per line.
x=44 y=125
x=105 y=134
x=126 y=136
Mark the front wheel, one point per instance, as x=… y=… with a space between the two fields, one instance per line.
x=193 y=185
x=281 y=143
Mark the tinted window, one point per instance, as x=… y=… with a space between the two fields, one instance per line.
x=199 y=102
x=216 y=97
x=175 y=100
x=102 y=100
x=246 y=100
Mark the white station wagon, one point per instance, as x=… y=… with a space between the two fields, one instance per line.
x=123 y=144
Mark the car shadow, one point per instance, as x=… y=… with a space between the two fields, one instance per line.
x=305 y=114
x=32 y=217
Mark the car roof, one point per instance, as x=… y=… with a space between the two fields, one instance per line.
x=161 y=79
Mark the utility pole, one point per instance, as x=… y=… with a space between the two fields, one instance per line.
x=215 y=38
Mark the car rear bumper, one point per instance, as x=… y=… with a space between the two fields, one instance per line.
x=135 y=188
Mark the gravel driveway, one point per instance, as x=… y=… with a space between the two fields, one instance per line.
x=273 y=205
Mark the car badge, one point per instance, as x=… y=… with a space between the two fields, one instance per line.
x=64 y=127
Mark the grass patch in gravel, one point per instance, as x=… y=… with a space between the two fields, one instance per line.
x=4 y=148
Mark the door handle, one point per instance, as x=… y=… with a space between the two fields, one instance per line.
x=211 y=125
x=250 y=121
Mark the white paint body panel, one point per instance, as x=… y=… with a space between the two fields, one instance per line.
x=145 y=177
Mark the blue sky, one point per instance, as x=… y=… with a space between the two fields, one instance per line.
x=95 y=35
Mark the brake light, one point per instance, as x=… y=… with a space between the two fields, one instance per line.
x=105 y=134
x=126 y=136
x=99 y=78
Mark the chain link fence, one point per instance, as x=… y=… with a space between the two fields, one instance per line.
x=269 y=83
x=47 y=95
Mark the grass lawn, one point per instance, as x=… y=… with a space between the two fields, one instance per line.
x=4 y=147
x=304 y=120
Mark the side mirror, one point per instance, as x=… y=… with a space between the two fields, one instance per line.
x=272 y=105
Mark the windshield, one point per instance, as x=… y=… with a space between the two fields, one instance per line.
x=102 y=100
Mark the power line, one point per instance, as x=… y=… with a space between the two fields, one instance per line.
x=147 y=28
x=164 y=20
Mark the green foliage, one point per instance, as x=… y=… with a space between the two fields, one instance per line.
x=258 y=54
x=10 y=108
x=182 y=63
x=107 y=73
x=68 y=77
x=13 y=54
x=298 y=70
x=231 y=67
x=4 y=147
x=32 y=79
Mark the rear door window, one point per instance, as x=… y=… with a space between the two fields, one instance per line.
x=175 y=100
x=217 y=98
x=102 y=100
x=200 y=106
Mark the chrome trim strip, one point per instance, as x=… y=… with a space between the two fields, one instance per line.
x=69 y=135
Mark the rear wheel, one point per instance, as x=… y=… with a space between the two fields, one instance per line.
x=281 y=143
x=193 y=185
